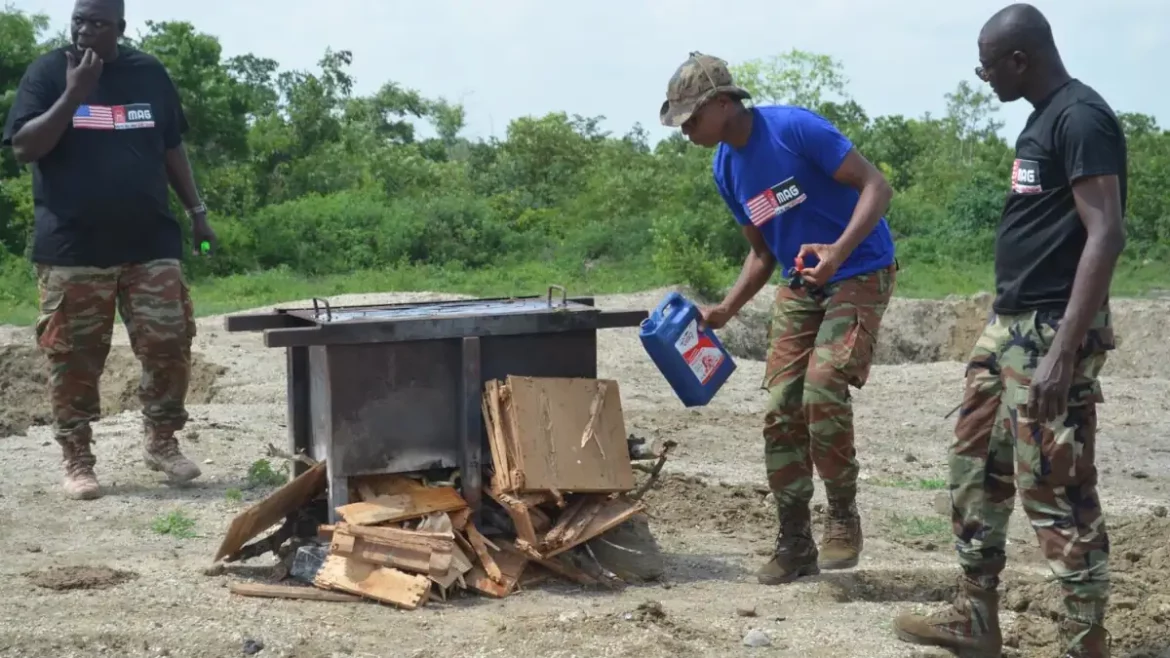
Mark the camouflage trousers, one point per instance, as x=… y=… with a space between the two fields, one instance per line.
x=75 y=326
x=997 y=447
x=821 y=342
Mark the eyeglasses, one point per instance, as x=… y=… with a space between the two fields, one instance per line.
x=981 y=71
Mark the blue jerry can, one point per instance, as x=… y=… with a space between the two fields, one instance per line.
x=694 y=362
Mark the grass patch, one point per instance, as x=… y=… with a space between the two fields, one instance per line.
x=921 y=527
x=917 y=484
x=262 y=474
x=176 y=524
x=214 y=296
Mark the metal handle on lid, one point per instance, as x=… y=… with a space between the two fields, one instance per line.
x=317 y=308
x=564 y=295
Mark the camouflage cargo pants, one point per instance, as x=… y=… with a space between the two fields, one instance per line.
x=74 y=330
x=821 y=342
x=1052 y=464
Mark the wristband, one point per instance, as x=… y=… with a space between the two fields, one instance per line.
x=199 y=209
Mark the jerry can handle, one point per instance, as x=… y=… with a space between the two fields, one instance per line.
x=667 y=303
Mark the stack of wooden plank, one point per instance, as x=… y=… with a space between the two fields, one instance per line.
x=560 y=472
x=405 y=539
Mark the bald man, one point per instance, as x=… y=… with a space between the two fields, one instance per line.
x=1029 y=408
x=101 y=125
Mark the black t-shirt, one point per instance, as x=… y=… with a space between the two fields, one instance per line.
x=1071 y=135
x=101 y=195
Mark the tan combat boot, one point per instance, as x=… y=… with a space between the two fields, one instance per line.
x=969 y=627
x=80 y=482
x=841 y=542
x=162 y=454
x=1084 y=640
x=796 y=552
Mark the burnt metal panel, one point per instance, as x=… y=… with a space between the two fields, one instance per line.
x=299 y=420
x=320 y=406
x=569 y=354
x=472 y=435
x=395 y=406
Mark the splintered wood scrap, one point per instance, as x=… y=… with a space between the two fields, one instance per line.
x=510 y=430
x=511 y=567
x=613 y=513
x=460 y=565
x=372 y=581
x=272 y=510
x=497 y=440
x=409 y=550
x=590 y=433
x=439 y=522
x=554 y=536
x=546 y=424
x=272 y=591
x=401 y=507
x=557 y=565
x=480 y=544
x=517 y=511
x=459 y=518
x=369 y=487
x=583 y=518
x=655 y=471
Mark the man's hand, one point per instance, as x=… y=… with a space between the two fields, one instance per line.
x=81 y=77
x=829 y=257
x=1048 y=394
x=201 y=232
x=715 y=317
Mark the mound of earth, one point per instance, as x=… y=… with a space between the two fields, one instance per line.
x=1139 y=610
x=79 y=577
x=24 y=398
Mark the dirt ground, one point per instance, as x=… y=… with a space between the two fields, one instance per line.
x=103 y=578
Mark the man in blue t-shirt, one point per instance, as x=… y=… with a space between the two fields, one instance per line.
x=804 y=197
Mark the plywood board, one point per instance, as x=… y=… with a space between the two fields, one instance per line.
x=372 y=581
x=272 y=510
x=400 y=507
x=569 y=434
x=275 y=591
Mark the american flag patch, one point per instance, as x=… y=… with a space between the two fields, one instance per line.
x=762 y=207
x=775 y=200
x=100 y=117
x=113 y=117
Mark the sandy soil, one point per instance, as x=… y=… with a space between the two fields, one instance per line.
x=94 y=579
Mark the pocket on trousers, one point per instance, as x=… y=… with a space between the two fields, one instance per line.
x=52 y=327
x=188 y=309
x=854 y=353
x=1067 y=448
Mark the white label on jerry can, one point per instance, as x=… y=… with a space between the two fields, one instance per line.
x=699 y=352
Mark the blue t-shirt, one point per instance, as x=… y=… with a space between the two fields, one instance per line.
x=782 y=182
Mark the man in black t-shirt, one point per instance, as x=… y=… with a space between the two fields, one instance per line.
x=1029 y=408
x=101 y=125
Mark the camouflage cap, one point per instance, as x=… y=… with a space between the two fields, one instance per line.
x=693 y=83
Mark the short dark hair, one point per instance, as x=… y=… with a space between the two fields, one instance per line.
x=1020 y=26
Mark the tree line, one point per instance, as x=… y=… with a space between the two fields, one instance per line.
x=306 y=176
